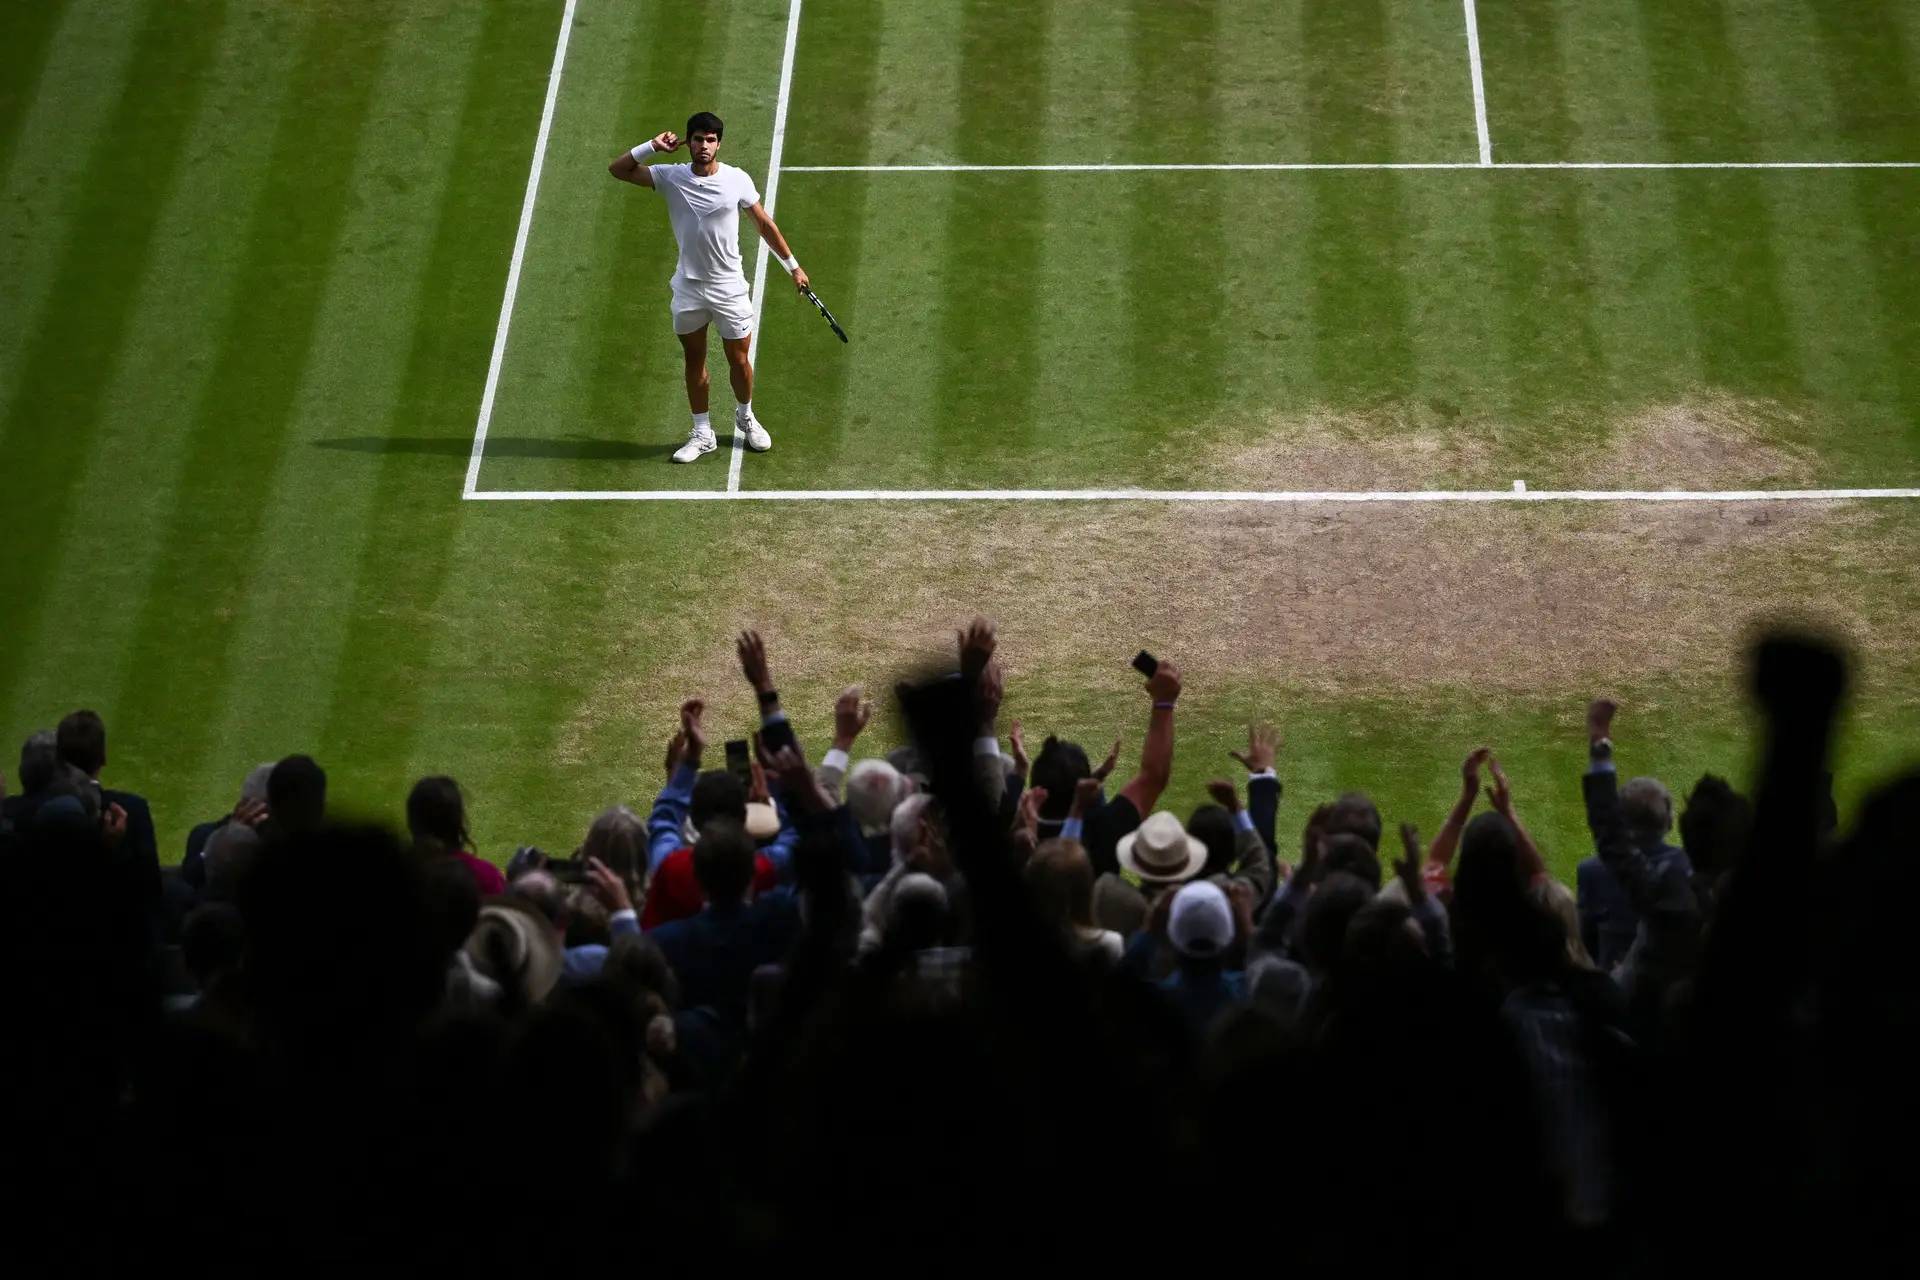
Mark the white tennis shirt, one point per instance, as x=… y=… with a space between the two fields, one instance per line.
x=705 y=213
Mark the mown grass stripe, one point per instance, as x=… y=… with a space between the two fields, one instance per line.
x=1360 y=234
x=807 y=388
x=1175 y=305
x=1543 y=295
x=300 y=585
x=539 y=424
x=55 y=409
x=132 y=467
x=404 y=550
x=43 y=184
x=991 y=260
x=627 y=337
x=1866 y=60
x=1725 y=218
x=209 y=538
x=26 y=36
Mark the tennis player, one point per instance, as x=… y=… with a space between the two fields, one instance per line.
x=704 y=200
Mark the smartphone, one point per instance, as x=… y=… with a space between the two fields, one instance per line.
x=1145 y=663
x=567 y=870
x=737 y=760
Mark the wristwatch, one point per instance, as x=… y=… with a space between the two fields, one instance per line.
x=1601 y=750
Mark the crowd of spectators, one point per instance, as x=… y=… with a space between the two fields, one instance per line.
x=957 y=1006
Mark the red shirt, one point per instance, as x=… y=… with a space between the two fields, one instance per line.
x=673 y=893
x=486 y=876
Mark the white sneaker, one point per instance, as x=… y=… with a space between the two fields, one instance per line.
x=699 y=441
x=757 y=438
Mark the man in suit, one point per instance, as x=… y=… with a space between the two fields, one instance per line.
x=1608 y=918
x=81 y=741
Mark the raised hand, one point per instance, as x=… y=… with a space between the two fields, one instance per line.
x=1410 y=867
x=1107 y=765
x=1600 y=713
x=693 y=731
x=1164 y=684
x=603 y=884
x=753 y=661
x=993 y=690
x=977 y=644
x=1224 y=795
x=1263 y=746
x=1021 y=764
x=1026 y=821
x=797 y=782
x=1499 y=795
x=757 y=790
x=1085 y=793
x=1470 y=772
x=250 y=813
x=852 y=712
x=668 y=141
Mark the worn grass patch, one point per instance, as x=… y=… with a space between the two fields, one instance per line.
x=1512 y=602
x=1711 y=440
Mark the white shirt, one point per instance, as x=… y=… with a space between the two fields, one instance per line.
x=705 y=213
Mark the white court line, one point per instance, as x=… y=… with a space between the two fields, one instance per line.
x=772 y=195
x=1479 y=84
x=519 y=251
x=1185 y=495
x=1314 y=168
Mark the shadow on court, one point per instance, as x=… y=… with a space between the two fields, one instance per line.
x=503 y=447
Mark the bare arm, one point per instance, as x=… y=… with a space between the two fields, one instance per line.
x=627 y=169
x=1156 y=753
x=777 y=242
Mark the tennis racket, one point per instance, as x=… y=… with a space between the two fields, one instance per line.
x=814 y=298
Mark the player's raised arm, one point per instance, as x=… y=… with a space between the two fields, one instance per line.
x=632 y=167
x=771 y=234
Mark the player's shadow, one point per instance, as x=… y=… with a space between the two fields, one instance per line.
x=579 y=449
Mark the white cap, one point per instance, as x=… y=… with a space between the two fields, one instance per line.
x=1200 y=923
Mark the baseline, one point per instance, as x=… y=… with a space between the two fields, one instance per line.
x=1517 y=494
x=1332 y=168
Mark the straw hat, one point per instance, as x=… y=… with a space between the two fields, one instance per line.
x=532 y=952
x=1161 y=851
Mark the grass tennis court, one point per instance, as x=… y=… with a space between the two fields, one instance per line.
x=252 y=261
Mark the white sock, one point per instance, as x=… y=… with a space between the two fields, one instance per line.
x=703 y=422
x=741 y=412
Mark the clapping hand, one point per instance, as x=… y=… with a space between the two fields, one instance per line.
x=1107 y=765
x=1410 y=868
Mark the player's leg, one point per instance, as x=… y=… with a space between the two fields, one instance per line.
x=690 y=326
x=735 y=319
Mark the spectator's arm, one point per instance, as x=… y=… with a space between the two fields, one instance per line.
x=1652 y=894
x=1156 y=753
x=665 y=825
x=1440 y=852
x=1275 y=933
x=1588 y=911
x=1253 y=863
x=1263 y=806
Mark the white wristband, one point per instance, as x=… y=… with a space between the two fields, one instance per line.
x=791 y=264
x=641 y=152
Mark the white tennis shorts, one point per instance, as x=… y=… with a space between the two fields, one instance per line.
x=732 y=314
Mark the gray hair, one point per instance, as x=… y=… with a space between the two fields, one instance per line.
x=1647 y=808
x=253 y=790
x=228 y=853
x=39 y=760
x=874 y=790
x=904 y=826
